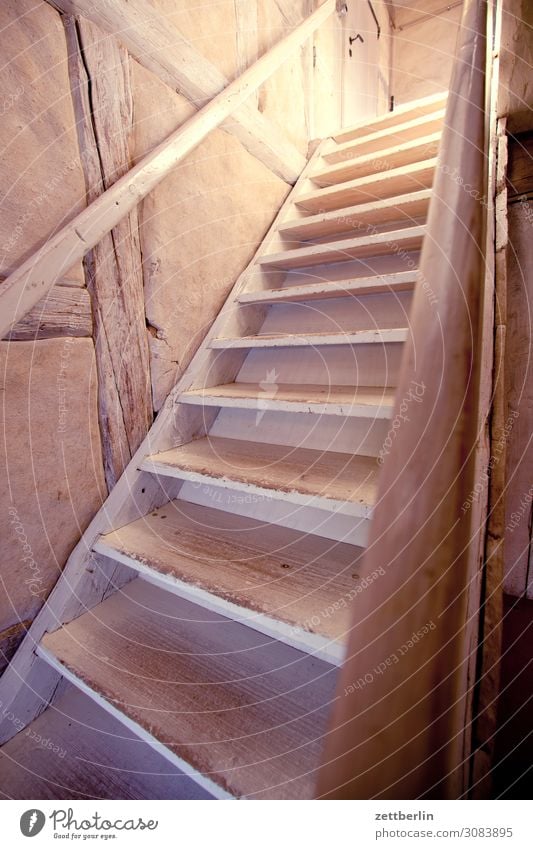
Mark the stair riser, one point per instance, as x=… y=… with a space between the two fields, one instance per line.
x=377 y=163
x=356 y=220
x=362 y=365
x=399 y=135
x=259 y=407
x=402 y=114
x=354 y=289
x=388 y=185
x=388 y=244
x=362 y=435
x=316 y=341
x=307 y=520
x=341 y=315
x=352 y=508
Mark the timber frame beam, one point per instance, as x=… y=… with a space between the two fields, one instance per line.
x=33 y=279
x=157 y=45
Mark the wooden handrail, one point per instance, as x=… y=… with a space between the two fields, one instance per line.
x=400 y=723
x=32 y=280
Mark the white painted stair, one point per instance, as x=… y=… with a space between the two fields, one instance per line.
x=229 y=556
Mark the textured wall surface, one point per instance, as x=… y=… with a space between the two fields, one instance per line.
x=51 y=466
x=516 y=77
x=422 y=57
x=40 y=171
x=199 y=228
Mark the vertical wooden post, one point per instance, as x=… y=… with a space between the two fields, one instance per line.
x=101 y=90
x=308 y=59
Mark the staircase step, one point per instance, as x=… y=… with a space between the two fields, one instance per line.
x=388 y=120
x=298 y=340
x=244 y=717
x=415 y=128
x=401 y=208
x=399 y=282
x=287 y=584
x=91 y=756
x=398 y=181
x=342 y=250
x=367 y=402
x=325 y=479
x=392 y=157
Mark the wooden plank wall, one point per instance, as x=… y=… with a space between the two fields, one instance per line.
x=519 y=369
x=65 y=311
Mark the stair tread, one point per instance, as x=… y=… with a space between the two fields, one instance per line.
x=247 y=715
x=407 y=178
x=287 y=340
x=389 y=119
x=344 y=249
x=287 y=575
x=409 y=206
x=395 y=156
x=373 y=142
x=310 y=397
x=92 y=756
x=329 y=475
x=400 y=281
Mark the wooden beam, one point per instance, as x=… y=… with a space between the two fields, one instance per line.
x=10 y=639
x=156 y=43
x=518 y=577
x=29 y=283
x=493 y=436
x=247 y=45
x=114 y=265
x=66 y=311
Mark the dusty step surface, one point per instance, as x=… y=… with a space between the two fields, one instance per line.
x=407 y=239
x=395 y=156
x=397 y=181
x=402 y=208
x=337 y=481
x=412 y=129
x=302 y=580
x=247 y=714
x=295 y=340
x=408 y=111
x=402 y=281
x=77 y=750
x=301 y=398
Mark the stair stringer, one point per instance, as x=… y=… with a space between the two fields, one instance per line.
x=28 y=684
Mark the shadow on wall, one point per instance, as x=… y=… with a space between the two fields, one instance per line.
x=513 y=763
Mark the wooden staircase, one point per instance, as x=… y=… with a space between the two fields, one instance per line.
x=231 y=551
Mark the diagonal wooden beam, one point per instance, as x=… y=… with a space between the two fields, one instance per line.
x=157 y=45
x=32 y=280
